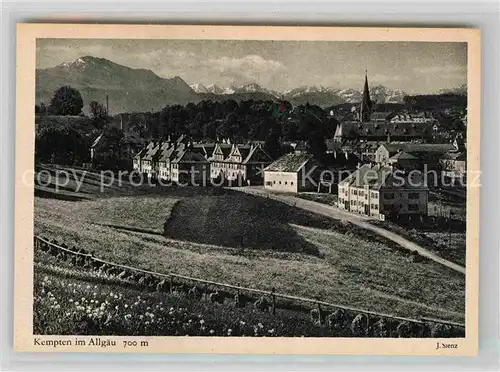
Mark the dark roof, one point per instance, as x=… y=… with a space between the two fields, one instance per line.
x=257 y=154
x=225 y=148
x=354 y=129
x=291 y=162
x=381 y=116
x=206 y=149
x=244 y=150
x=404 y=156
x=189 y=156
x=169 y=151
x=151 y=151
x=332 y=145
x=458 y=156
x=418 y=148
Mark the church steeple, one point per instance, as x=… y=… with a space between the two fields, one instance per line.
x=366 y=105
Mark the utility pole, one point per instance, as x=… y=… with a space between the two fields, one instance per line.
x=449 y=231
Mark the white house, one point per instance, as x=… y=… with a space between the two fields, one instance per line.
x=293 y=172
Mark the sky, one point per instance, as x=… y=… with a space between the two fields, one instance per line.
x=414 y=67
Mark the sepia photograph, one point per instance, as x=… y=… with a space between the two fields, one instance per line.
x=251 y=188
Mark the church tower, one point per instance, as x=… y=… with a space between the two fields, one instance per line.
x=365 y=111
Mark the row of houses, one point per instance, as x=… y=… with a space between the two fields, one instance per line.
x=379 y=191
x=175 y=161
x=181 y=160
x=395 y=186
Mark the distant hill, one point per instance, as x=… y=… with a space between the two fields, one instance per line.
x=128 y=89
x=141 y=90
x=461 y=90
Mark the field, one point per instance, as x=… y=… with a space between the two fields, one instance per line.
x=434 y=236
x=69 y=301
x=329 y=199
x=326 y=258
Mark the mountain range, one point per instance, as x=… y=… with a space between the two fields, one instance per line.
x=141 y=90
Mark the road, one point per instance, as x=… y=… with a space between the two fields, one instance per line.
x=359 y=220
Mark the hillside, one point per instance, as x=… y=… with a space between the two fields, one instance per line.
x=128 y=89
x=348 y=267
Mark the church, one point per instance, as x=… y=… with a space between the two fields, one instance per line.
x=375 y=126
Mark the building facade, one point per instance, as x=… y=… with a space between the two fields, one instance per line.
x=237 y=161
x=381 y=193
x=190 y=168
x=293 y=173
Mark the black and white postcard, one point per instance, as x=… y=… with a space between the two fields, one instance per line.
x=247 y=189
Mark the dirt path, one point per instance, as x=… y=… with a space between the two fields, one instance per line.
x=359 y=220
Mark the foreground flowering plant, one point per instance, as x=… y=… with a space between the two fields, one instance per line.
x=67 y=306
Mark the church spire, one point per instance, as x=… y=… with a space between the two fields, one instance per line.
x=366 y=104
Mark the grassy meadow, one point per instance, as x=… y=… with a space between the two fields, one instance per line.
x=229 y=237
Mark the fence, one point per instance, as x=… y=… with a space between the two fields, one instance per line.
x=39 y=241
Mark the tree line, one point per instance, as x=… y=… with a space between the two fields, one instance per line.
x=272 y=122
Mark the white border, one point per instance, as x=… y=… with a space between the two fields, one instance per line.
x=435 y=14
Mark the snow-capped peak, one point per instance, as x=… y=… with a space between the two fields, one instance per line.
x=79 y=62
x=199 y=88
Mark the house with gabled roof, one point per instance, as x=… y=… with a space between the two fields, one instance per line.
x=413 y=155
x=148 y=161
x=220 y=153
x=167 y=154
x=293 y=172
x=137 y=159
x=239 y=161
x=189 y=167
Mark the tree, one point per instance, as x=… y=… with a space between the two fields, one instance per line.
x=61 y=145
x=98 y=114
x=273 y=144
x=66 y=101
x=316 y=145
x=97 y=111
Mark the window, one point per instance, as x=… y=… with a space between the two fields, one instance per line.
x=291 y=183
x=413 y=195
x=352 y=202
x=280 y=182
x=413 y=207
x=374 y=195
x=268 y=183
x=274 y=182
x=361 y=193
x=354 y=192
x=389 y=196
x=286 y=183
